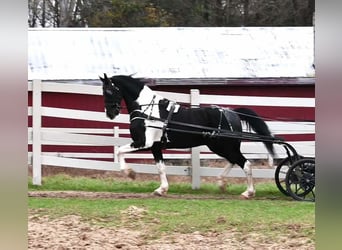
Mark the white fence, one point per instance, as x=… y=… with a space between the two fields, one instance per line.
x=39 y=135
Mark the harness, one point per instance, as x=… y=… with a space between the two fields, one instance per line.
x=164 y=134
x=171 y=108
x=225 y=114
x=149 y=116
x=147 y=106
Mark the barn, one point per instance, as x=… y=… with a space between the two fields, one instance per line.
x=243 y=63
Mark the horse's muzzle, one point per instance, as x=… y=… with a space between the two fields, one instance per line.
x=113 y=111
x=110 y=115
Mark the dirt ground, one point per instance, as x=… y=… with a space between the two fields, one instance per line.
x=70 y=232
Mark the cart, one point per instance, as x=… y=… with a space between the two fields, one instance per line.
x=295 y=177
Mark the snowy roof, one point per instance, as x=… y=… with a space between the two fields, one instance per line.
x=229 y=52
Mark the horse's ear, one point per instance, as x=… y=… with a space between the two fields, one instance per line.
x=105 y=79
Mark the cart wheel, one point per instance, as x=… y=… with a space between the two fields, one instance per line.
x=300 y=180
x=281 y=170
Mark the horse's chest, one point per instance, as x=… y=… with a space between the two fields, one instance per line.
x=145 y=130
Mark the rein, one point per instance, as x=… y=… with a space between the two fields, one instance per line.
x=210 y=132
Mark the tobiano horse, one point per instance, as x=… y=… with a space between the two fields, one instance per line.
x=157 y=123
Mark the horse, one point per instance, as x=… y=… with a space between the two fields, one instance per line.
x=157 y=123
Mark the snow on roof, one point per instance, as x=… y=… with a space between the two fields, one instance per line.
x=86 y=53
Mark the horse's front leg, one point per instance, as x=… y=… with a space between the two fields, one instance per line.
x=123 y=165
x=164 y=184
x=158 y=157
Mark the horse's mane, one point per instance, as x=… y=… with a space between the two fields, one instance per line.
x=128 y=79
x=141 y=79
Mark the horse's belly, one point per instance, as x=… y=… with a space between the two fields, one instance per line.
x=184 y=140
x=154 y=130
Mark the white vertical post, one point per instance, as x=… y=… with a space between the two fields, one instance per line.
x=36 y=132
x=195 y=152
x=116 y=135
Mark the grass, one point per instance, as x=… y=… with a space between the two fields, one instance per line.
x=270 y=214
x=65 y=182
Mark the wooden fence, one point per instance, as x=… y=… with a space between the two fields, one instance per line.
x=115 y=137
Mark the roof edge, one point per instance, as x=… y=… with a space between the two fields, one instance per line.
x=269 y=81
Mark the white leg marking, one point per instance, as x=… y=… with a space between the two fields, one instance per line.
x=123 y=165
x=270 y=161
x=164 y=185
x=121 y=158
x=250 y=191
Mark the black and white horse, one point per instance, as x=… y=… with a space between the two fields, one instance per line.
x=157 y=123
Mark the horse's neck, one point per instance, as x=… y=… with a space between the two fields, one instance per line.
x=148 y=96
x=148 y=101
x=131 y=92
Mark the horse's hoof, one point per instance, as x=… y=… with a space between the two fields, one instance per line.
x=131 y=174
x=156 y=193
x=244 y=197
x=223 y=188
x=247 y=195
x=222 y=185
x=159 y=192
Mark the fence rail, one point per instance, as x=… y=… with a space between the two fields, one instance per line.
x=38 y=135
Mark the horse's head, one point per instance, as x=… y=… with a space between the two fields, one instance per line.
x=112 y=97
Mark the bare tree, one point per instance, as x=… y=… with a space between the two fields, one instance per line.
x=33 y=13
x=37 y=13
x=66 y=12
x=245 y=12
x=137 y=13
x=51 y=13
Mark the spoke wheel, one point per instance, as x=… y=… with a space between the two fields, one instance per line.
x=281 y=171
x=300 y=180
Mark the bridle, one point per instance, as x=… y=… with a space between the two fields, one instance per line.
x=114 y=105
x=109 y=99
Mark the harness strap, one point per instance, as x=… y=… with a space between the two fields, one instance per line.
x=219 y=126
x=164 y=135
x=224 y=112
x=151 y=104
x=137 y=118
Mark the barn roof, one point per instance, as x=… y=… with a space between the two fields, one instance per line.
x=169 y=53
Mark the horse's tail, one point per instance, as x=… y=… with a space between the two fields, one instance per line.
x=257 y=124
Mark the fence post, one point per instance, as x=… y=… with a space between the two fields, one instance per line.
x=36 y=132
x=116 y=135
x=195 y=152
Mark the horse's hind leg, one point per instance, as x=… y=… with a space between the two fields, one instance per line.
x=221 y=179
x=250 y=191
x=241 y=161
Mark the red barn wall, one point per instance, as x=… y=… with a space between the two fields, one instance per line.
x=95 y=103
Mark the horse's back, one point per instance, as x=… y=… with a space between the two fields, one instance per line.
x=196 y=126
